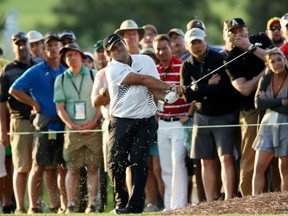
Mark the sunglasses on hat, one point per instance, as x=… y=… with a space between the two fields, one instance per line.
x=273 y=28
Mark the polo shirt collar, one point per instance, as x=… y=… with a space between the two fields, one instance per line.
x=69 y=74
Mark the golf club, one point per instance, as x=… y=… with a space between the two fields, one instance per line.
x=252 y=48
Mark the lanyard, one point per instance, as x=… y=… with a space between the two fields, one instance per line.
x=80 y=87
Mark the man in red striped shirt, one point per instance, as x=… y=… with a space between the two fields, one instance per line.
x=171 y=133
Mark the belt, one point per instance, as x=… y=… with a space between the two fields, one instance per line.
x=169 y=119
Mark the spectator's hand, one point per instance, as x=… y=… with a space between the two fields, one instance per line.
x=184 y=119
x=242 y=43
x=262 y=95
x=89 y=126
x=215 y=79
x=4 y=140
x=36 y=107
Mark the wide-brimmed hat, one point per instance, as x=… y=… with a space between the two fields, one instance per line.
x=130 y=25
x=64 y=49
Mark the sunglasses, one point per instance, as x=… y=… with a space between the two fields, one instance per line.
x=273 y=28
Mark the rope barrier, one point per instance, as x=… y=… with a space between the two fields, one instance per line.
x=99 y=130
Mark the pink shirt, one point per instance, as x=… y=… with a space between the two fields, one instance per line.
x=100 y=82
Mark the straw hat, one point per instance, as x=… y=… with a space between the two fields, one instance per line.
x=130 y=25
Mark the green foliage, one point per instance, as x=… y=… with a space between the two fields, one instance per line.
x=261 y=11
x=92 y=20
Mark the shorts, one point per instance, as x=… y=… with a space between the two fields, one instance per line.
x=8 y=150
x=21 y=145
x=2 y=162
x=48 y=149
x=154 y=149
x=209 y=142
x=83 y=150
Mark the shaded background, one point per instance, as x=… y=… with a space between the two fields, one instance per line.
x=92 y=20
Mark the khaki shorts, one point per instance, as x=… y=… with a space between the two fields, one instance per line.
x=83 y=150
x=21 y=144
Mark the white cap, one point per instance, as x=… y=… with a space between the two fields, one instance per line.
x=194 y=34
x=284 y=20
x=34 y=36
x=89 y=54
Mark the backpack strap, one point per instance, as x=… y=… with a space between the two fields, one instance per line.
x=91 y=74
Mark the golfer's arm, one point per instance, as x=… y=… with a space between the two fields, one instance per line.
x=145 y=80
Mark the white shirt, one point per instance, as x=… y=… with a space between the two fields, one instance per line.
x=134 y=101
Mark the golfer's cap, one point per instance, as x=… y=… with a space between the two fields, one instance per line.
x=110 y=40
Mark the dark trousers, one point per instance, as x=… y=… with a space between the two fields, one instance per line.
x=130 y=137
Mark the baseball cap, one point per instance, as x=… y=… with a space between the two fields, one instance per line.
x=130 y=25
x=194 y=34
x=49 y=36
x=98 y=45
x=152 y=27
x=196 y=23
x=272 y=20
x=67 y=34
x=234 y=23
x=89 y=54
x=110 y=40
x=176 y=31
x=34 y=36
x=284 y=20
x=19 y=36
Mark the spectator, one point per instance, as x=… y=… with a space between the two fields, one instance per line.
x=36 y=42
x=101 y=90
x=131 y=34
x=196 y=23
x=177 y=43
x=244 y=76
x=88 y=60
x=75 y=109
x=67 y=37
x=273 y=31
x=215 y=105
x=132 y=126
x=271 y=140
x=170 y=136
x=284 y=31
x=149 y=35
x=19 y=118
x=99 y=55
x=47 y=150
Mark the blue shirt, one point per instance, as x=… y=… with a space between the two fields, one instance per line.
x=38 y=81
